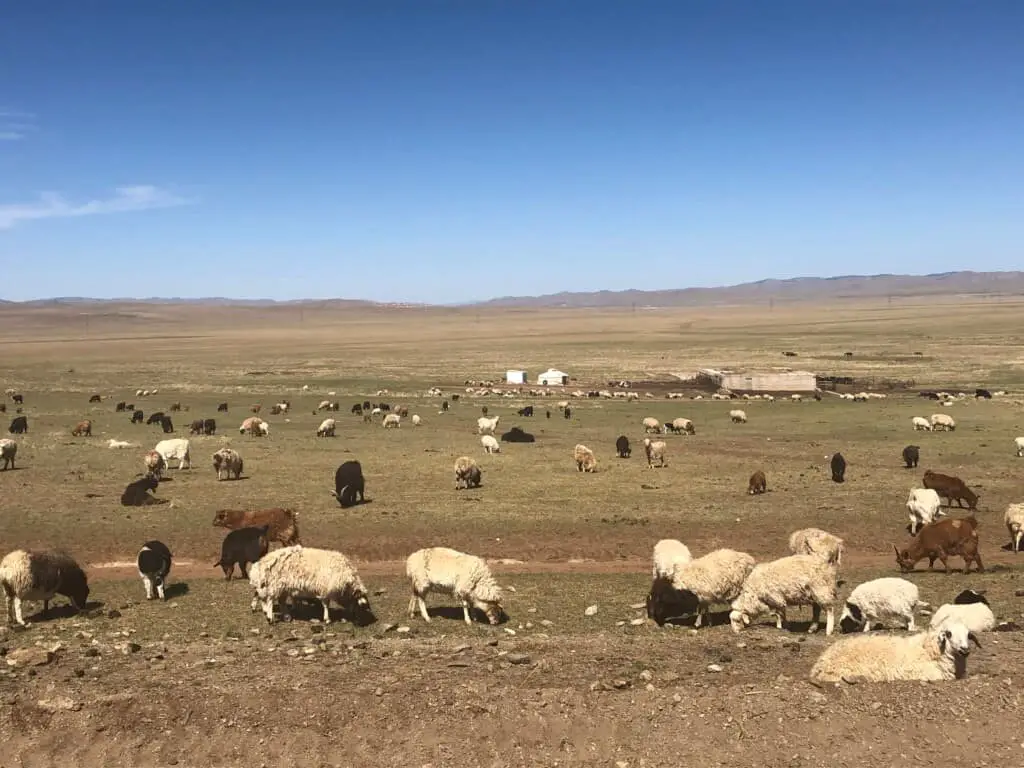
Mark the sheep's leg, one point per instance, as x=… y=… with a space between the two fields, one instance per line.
x=423 y=608
x=830 y=620
x=911 y=624
x=465 y=613
x=701 y=608
x=149 y=587
x=160 y=590
x=1016 y=541
x=867 y=625
x=327 y=610
x=815 y=618
x=9 y=600
x=46 y=609
x=412 y=605
x=779 y=621
x=17 y=612
x=268 y=609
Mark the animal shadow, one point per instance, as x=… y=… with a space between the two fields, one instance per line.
x=177 y=589
x=711 y=620
x=307 y=610
x=65 y=611
x=455 y=614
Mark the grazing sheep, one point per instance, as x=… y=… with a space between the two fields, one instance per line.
x=943 y=421
x=176 y=448
x=283 y=524
x=136 y=493
x=939 y=540
x=1018 y=443
x=154 y=463
x=889 y=600
x=222 y=408
x=1014 y=519
x=83 y=427
x=758 y=483
x=795 y=580
x=651 y=424
x=923 y=507
x=392 y=420
x=167 y=425
x=950 y=488
x=155 y=418
x=932 y=655
x=19 y=425
x=654 y=450
x=669 y=555
x=137 y=417
x=241 y=547
x=40 y=575
x=622 y=448
x=447 y=571
x=305 y=572
x=490 y=444
x=584 y=458
x=738 y=416
x=838 y=467
x=227 y=462
x=717 y=577
x=253 y=426
x=920 y=422
x=814 y=541
x=682 y=427
x=416 y=420
x=486 y=426
x=467 y=473
x=969 y=608
x=349 y=484
x=326 y=428
x=8 y=451
x=911 y=455
x=196 y=427
x=154 y=564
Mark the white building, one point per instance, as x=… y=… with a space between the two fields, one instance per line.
x=760 y=381
x=553 y=377
x=515 y=377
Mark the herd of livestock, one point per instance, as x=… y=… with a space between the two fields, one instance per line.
x=682 y=585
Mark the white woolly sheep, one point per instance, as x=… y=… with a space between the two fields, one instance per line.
x=651 y=424
x=654 y=450
x=943 y=421
x=670 y=554
x=305 y=572
x=392 y=420
x=717 y=577
x=796 y=398
x=8 y=451
x=789 y=581
x=1014 y=519
x=814 y=541
x=1018 y=443
x=490 y=444
x=682 y=426
x=584 y=458
x=889 y=601
x=923 y=506
x=326 y=428
x=467 y=473
x=448 y=571
x=969 y=608
x=41 y=575
x=738 y=416
x=228 y=462
x=416 y=420
x=920 y=422
x=486 y=426
x=176 y=448
x=932 y=655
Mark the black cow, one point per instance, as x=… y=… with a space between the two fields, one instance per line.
x=455 y=398
x=357 y=409
x=838 y=465
x=196 y=427
x=136 y=493
x=349 y=484
x=367 y=405
x=622 y=447
x=983 y=393
x=526 y=412
x=222 y=408
x=911 y=454
x=209 y=426
x=137 y=417
x=483 y=410
x=167 y=425
x=95 y=399
x=19 y=425
x=154 y=563
x=516 y=435
x=119 y=408
x=241 y=547
x=155 y=418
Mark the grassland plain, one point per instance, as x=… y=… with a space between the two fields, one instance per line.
x=211 y=684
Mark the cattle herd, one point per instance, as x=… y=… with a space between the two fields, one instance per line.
x=682 y=585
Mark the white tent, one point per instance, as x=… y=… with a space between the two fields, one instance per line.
x=515 y=377
x=554 y=377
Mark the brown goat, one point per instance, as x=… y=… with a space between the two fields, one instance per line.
x=951 y=488
x=283 y=523
x=83 y=427
x=758 y=483
x=941 y=539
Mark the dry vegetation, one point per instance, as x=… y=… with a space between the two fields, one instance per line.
x=212 y=685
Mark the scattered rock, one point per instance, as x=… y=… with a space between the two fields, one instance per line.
x=30 y=657
x=458 y=663
x=59 y=704
x=388 y=628
x=113 y=614
x=509 y=631
x=547 y=623
x=518 y=658
x=637 y=622
x=128 y=648
x=379 y=592
x=638 y=606
x=620 y=684
x=646 y=676
x=819 y=698
x=714 y=668
x=1019 y=593
x=590 y=611
x=460 y=648
x=404 y=630
x=91 y=652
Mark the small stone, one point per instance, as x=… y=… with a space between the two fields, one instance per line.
x=233 y=634
x=509 y=631
x=1019 y=593
x=128 y=648
x=316 y=629
x=378 y=692
x=493 y=643
x=620 y=623
x=637 y=622
x=638 y=606
x=649 y=687
x=677 y=698
x=547 y=623
x=458 y=663
x=309 y=651
x=113 y=614
x=876 y=706
x=590 y=611
x=30 y=657
x=819 y=698
x=620 y=684
x=91 y=652
x=388 y=628
x=379 y=592
x=714 y=668
x=404 y=630
x=741 y=645
x=518 y=658
x=646 y=676
x=79 y=672
x=460 y=648
x=59 y=704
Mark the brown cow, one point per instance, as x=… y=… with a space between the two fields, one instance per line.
x=284 y=523
x=83 y=427
x=939 y=540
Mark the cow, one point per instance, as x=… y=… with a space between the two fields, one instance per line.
x=155 y=418
x=526 y=412
x=167 y=425
x=19 y=425
x=209 y=426
x=838 y=466
x=622 y=448
x=349 y=484
x=137 y=417
x=196 y=427
x=120 y=407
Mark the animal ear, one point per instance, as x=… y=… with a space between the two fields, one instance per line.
x=971 y=637
x=896 y=550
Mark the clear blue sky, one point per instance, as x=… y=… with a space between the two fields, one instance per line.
x=450 y=151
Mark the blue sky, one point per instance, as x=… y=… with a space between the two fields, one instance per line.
x=452 y=151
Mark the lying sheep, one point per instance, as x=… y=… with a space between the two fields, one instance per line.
x=814 y=541
x=920 y=422
x=467 y=473
x=795 y=580
x=1014 y=519
x=8 y=452
x=923 y=506
x=136 y=493
x=227 y=462
x=889 y=601
x=490 y=444
x=450 y=572
x=717 y=577
x=670 y=554
x=584 y=458
x=154 y=564
x=738 y=417
x=114 y=443
x=305 y=572
x=932 y=655
x=40 y=575
x=969 y=608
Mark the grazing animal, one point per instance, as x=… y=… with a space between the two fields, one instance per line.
x=567 y=413
x=175 y=407
x=516 y=435
x=349 y=484
x=83 y=427
x=547 y=414
x=584 y=458
x=155 y=418
x=681 y=427
x=326 y=428
x=392 y=420
x=8 y=450
x=283 y=523
x=416 y=420
x=983 y=393
x=167 y=425
x=209 y=426
x=175 y=448
x=18 y=399
x=137 y=417
x=120 y=407
x=95 y=399
x=467 y=473
x=911 y=455
x=921 y=423
x=154 y=564
x=227 y=462
x=838 y=466
x=923 y=506
x=253 y=426
x=651 y=424
x=943 y=421
x=1013 y=517
x=41 y=575
x=155 y=464
x=654 y=450
x=241 y=547
x=526 y=412
x=622 y=448
x=940 y=540
x=889 y=600
x=969 y=608
x=814 y=541
x=196 y=427
x=19 y=425
x=490 y=444
x=795 y=580
x=444 y=405
x=222 y=408
x=136 y=493
x=450 y=572
x=486 y=426
x=950 y=488
x=669 y=555
x=758 y=483
x=717 y=577
x=738 y=417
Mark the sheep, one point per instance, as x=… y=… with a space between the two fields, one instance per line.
x=326 y=428
x=227 y=462
x=262 y=429
x=814 y=541
x=392 y=420
x=1014 y=519
x=651 y=424
x=838 y=467
x=795 y=580
x=40 y=575
x=222 y=408
x=796 y=398
x=932 y=655
x=758 y=483
x=920 y=422
x=943 y=420
x=241 y=547
x=283 y=523
x=717 y=577
x=136 y=493
x=923 y=506
x=654 y=450
x=8 y=451
x=349 y=484
x=889 y=600
x=176 y=448
x=467 y=473
x=416 y=420
x=448 y=571
x=950 y=488
x=669 y=554
x=154 y=463
x=305 y=572
x=486 y=426
x=911 y=456
x=1018 y=443
x=251 y=426
x=83 y=428
x=490 y=444
x=154 y=564
x=19 y=425
x=682 y=427
x=939 y=540
x=969 y=608
x=738 y=416
x=584 y=458
x=196 y=427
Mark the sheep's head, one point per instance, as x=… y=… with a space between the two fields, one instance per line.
x=969 y=596
x=953 y=640
x=492 y=610
x=738 y=620
x=75 y=586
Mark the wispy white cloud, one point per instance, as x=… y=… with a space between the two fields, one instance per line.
x=51 y=205
x=15 y=125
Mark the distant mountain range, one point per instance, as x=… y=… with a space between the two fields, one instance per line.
x=793 y=290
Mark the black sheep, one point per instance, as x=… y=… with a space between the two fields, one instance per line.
x=516 y=435
x=223 y=407
x=167 y=425
x=19 y=425
x=155 y=418
x=911 y=454
x=136 y=493
x=622 y=447
x=209 y=426
x=349 y=484
x=838 y=465
x=241 y=547
x=137 y=417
